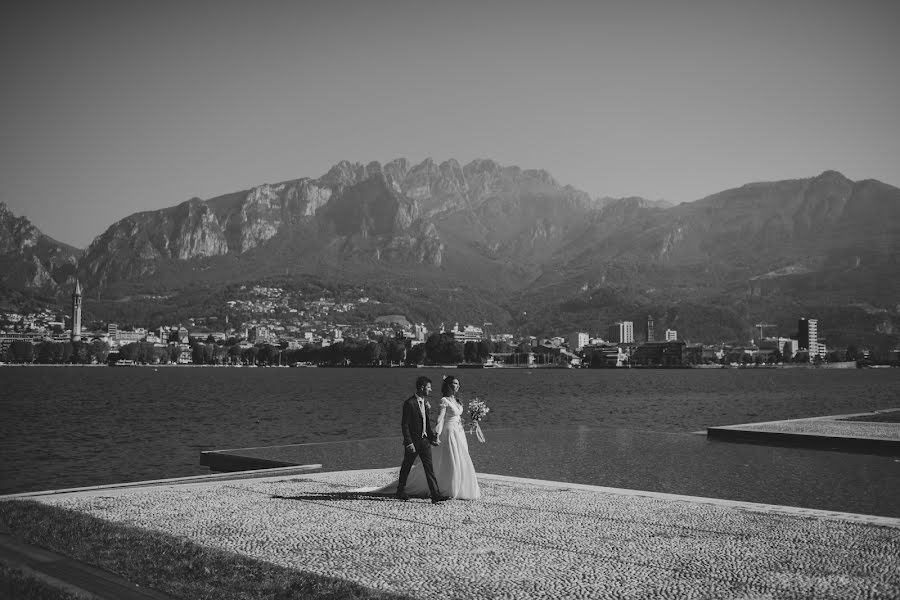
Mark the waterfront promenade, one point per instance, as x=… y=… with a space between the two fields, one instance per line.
x=523 y=539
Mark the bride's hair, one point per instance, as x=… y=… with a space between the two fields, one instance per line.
x=447 y=385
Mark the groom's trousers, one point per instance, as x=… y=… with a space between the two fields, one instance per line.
x=423 y=451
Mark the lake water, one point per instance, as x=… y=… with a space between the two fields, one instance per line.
x=76 y=426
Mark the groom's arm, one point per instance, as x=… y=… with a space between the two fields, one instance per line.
x=404 y=426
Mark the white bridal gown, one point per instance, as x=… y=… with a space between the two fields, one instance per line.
x=453 y=467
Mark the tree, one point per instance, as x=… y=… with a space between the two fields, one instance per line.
x=99 y=351
x=837 y=356
x=21 y=351
x=395 y=351
x=374 y=353
x=129 y=352
x=484 y=350
x=248 y=355
x=441 y=348
x=337 y=353
x=234 y=354
x=416 y=355
x=269 y=354
x=54 y=353
x=81 y=352
x=470 y=351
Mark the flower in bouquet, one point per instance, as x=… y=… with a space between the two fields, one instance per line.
x=477 y=411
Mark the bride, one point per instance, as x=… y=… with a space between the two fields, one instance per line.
x=453 y=467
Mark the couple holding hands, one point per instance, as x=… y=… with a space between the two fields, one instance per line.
x=446 y=470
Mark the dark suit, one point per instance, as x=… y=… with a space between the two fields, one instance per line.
x=411 y=425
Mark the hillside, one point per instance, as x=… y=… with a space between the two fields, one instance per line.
x=484 y=242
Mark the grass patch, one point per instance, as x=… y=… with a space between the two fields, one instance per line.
x=21 y=586
x=891 y=416
x=172 y=565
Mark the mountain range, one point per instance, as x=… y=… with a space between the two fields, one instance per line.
x=483 y=242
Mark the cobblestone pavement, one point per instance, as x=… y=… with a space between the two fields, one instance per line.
x=523 y=539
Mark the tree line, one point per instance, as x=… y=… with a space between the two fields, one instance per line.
x=51 y=352
x=437 y=349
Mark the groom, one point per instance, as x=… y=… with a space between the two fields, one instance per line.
x=418 y=437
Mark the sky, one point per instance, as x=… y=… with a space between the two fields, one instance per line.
x=114 y=107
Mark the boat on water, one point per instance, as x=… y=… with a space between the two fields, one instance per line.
x=487 y=364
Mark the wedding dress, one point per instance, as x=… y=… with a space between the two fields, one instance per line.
x=453 y=467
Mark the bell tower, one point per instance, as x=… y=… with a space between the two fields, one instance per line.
x=76 y=312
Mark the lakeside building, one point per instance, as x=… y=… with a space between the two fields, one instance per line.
x=787 y=346
x=605 y=355
x=661 y=354
x=469 y=333
x=126 y=337
x=621 y=332
x=671 y=335
x=808 y=335
x=577 y=341
x=7 y=338
x=651 y=330
x=261 y=334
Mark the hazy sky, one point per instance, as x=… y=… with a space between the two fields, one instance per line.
x=109 y=108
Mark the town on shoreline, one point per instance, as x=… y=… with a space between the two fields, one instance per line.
x=392 y=341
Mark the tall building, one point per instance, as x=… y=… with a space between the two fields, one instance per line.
x=577 y=341
x=808 y=335
x=651 y=332
x=76 y=312
x=621 y=332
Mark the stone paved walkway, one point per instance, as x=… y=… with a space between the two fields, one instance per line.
x=524 y=539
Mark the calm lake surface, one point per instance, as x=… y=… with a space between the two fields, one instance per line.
x=76 y=426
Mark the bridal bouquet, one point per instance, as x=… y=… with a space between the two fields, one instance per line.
x=477 y=411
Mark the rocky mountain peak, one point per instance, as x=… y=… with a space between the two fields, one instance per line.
x=832 y=177
x=29 y=258
x=344 y=173
x=397 y=169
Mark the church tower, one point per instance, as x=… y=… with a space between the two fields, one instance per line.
x=76 y=312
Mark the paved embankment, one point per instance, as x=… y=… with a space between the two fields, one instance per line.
x=523 y=539
x=845 y=432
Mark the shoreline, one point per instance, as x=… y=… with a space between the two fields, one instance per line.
x=846 y=365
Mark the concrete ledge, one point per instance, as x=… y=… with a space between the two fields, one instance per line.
x=175 y=481
x=228 y=461
x=832 y=432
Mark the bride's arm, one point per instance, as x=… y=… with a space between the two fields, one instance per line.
x=439 y=426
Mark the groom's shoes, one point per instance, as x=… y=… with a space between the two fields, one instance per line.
x=439 y=499
x=402 y=496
